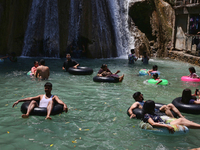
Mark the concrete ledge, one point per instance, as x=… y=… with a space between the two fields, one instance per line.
x=184 y=57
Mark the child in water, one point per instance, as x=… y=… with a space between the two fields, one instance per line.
x=192 y=73
x=155 y=68
x=34 y=68
x=132 y=57
x=145 y=58
x=155 y=77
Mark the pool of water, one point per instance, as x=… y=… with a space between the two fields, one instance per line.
x=97 y=116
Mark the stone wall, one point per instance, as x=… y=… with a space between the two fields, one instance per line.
x=178 y=55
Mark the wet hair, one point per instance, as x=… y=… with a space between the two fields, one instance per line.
x=103 y=66
x=155 y=75
x=148 y=107
x=132 y=50
x=186 y=96
x=155 y=67
x=136 y=94
x=48 y=84
x=192 y=69
x=35 y=62
x=42 y=61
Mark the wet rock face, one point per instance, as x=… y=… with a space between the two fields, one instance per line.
x=90 y=23
x=156 y=22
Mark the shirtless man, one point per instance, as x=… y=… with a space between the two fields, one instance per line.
x=138 y=96
x=46 y=101
x=42 y=71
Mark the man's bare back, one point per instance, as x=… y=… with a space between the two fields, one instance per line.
x=43 y=72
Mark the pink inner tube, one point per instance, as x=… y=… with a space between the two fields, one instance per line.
x=186 y=78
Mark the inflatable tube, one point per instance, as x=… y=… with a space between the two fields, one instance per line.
x=1 y=60
x=152 y=81
x=186 y=108
x=143 y=72
x=29 y=73
x=158 y=72
x=105 y=79
x=138 y=112
x=179 y=129
x=80 y=71
x=41 y=111
x=186 y=78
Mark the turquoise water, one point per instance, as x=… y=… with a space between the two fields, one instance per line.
x=97 y=116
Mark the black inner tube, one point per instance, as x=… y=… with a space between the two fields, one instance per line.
x=41 y=111
x=138 y=111
x=80 y=71
x=186 y=108
x=105 y=79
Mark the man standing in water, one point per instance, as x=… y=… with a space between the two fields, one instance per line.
x=47 y=100
x=42 y=71
x=69 y=63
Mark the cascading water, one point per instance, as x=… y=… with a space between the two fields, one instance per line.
x=74 y=21
x=119 y=13
x=42 y=34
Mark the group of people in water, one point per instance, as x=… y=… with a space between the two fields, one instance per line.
x=148 y=107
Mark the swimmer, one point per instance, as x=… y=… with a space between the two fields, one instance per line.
x=47 y=100
x=155 y=77
x=138 y=96
x=150 y=117
x=42 y=71
x=155 y=68
x=132 y=57
x=69 y=63
x=105 y=72
x=34 y=68
x=193 y=73
x=145 y=58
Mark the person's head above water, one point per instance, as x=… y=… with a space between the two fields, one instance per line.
x=42 y=62
x=104 y=66
x=186 y=96
x=138 y=96
x=132 y=51
x=68 y=56
x=155 y=68
x=36 y=64
x=48 y=87
x=155 y=76
x=192 y=70
x=148 y=107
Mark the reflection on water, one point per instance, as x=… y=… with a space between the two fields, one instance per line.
x=97 y=111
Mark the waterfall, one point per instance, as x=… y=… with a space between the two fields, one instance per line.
x=74 y=21
x=119 y=13
x=42 y=33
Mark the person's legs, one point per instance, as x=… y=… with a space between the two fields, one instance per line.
x=167 y=111
x=185 y=122
x=32 y=105
x=49 y=109
x=121 y=78
x=172 y=107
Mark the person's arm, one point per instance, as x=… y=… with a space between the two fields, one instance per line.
x=117 y=72
x=75 y=67
x=32 y=70
x=99 y=74
x=158 y=81
x=37 y=73
x=48 y=72
x=155 y=124
x=197 y=102
x=27 y=99
x=135 y=105
x=62 y=103
x=63 y=67
x=149 y=72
